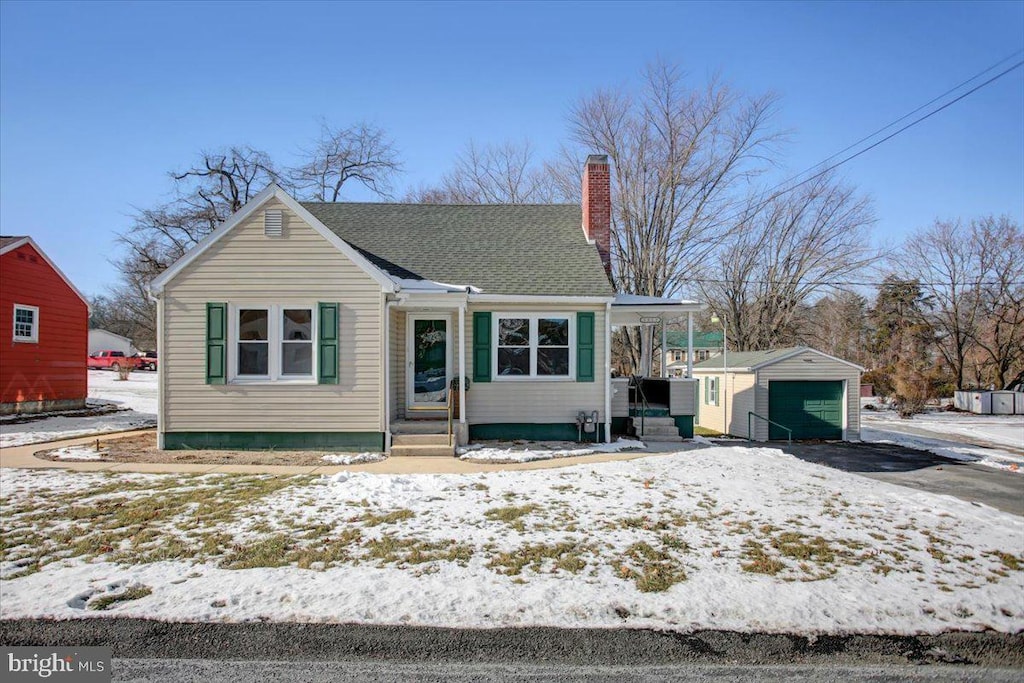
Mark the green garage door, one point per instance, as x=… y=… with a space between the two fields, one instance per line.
x=813 y=410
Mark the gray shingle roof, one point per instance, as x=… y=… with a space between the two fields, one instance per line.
x=9 y=239
x=528 y=249
x=745 y=359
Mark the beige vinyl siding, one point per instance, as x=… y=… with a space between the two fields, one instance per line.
x=620 y=397
x=740 y=400
x=811 y=366
x=681 y=396
x=299 y=268
x=541 y=401
x=398 y=361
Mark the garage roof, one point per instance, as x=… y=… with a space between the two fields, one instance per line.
x=749 y=361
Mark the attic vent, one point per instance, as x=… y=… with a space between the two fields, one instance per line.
x=273 y=223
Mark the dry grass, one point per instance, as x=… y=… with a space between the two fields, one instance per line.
x=142 y=448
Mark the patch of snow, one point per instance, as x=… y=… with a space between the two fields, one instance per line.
x=982 y=439
x=353 y=458
x=476 y=452
x=697 y=438
x=727 y=497
x=138 y=394
x=77 y=453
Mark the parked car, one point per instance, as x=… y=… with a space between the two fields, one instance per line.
x=147 y=360
x=112 y=360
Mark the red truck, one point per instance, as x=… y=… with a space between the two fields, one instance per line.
x=112 y=360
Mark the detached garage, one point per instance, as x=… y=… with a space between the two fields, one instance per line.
x=815 y=395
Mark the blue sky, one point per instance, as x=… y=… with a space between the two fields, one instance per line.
x=98 y=101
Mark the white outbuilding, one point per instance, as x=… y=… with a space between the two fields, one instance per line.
x=102 y=340
x=768 y=395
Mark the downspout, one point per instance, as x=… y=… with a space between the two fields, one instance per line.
x=387 y=373
x=462 y=363
x=608 y=372
x=161 y=383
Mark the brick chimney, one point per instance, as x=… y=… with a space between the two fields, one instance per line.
x=597 y=206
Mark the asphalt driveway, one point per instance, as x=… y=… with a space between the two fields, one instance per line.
x=917 y=469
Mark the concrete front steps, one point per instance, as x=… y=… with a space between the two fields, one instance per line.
x=657 y=429
x=421 y=437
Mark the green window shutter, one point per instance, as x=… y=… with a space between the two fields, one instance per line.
x=706 y=381
x=327 y=348
x=481 y=347
x=585 y=346
x=216 y=343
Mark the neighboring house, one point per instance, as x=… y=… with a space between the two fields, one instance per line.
x=814 y=394
x=103 y=340
x=44 y=320
x=342 y=326
x=705 y=345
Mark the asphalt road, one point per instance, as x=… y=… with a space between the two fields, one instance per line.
x=918 y=469
x=205 y=671
x=140 y=639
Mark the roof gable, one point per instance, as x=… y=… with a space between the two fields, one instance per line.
x=9 y=244
x=272 y=192
x=504 y=249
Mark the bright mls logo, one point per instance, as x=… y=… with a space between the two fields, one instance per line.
x=79 y=664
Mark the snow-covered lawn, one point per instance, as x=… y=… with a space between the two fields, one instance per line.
x=352 y=458
x=992 y=440
x=718 y=538
x=529 y=453
x=138 y=394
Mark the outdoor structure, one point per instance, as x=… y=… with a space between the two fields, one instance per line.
x=103 y=340
x=44 y=320
x=762 y=394
x=991 y=402
x=678 y=353
x=398 y=327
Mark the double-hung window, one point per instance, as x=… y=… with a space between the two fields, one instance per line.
x=534 y=346
x=711 y=391
x=273 y=343
x=26 y=323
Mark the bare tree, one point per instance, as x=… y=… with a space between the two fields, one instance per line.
x=786 y=252
x=679 y=158
x=1000 y=332
x=972 y=275
x=948 y=262
x=837 y=324
x=506 y=173
x=361 y=153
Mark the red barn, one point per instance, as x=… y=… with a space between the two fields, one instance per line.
x=44 y=323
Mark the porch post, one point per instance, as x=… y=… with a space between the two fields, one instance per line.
x=607 y=372
x=462 y=364
x=689 y=345
x=664 y=351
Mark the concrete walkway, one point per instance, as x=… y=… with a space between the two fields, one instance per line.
x=24 y=457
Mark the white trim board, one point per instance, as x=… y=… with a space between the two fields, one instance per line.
x=272 y=191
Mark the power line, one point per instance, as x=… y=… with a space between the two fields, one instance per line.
x=902 y=118
x=843 y=283
x=853 y=156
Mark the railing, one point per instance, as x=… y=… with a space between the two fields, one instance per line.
x=750 y=431
x=636 y=385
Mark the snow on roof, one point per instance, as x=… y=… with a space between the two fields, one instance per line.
x=639 y=300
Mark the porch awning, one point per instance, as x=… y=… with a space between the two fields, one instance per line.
x=634 y=309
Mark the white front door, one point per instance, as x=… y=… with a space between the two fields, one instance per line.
x=428 y=367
